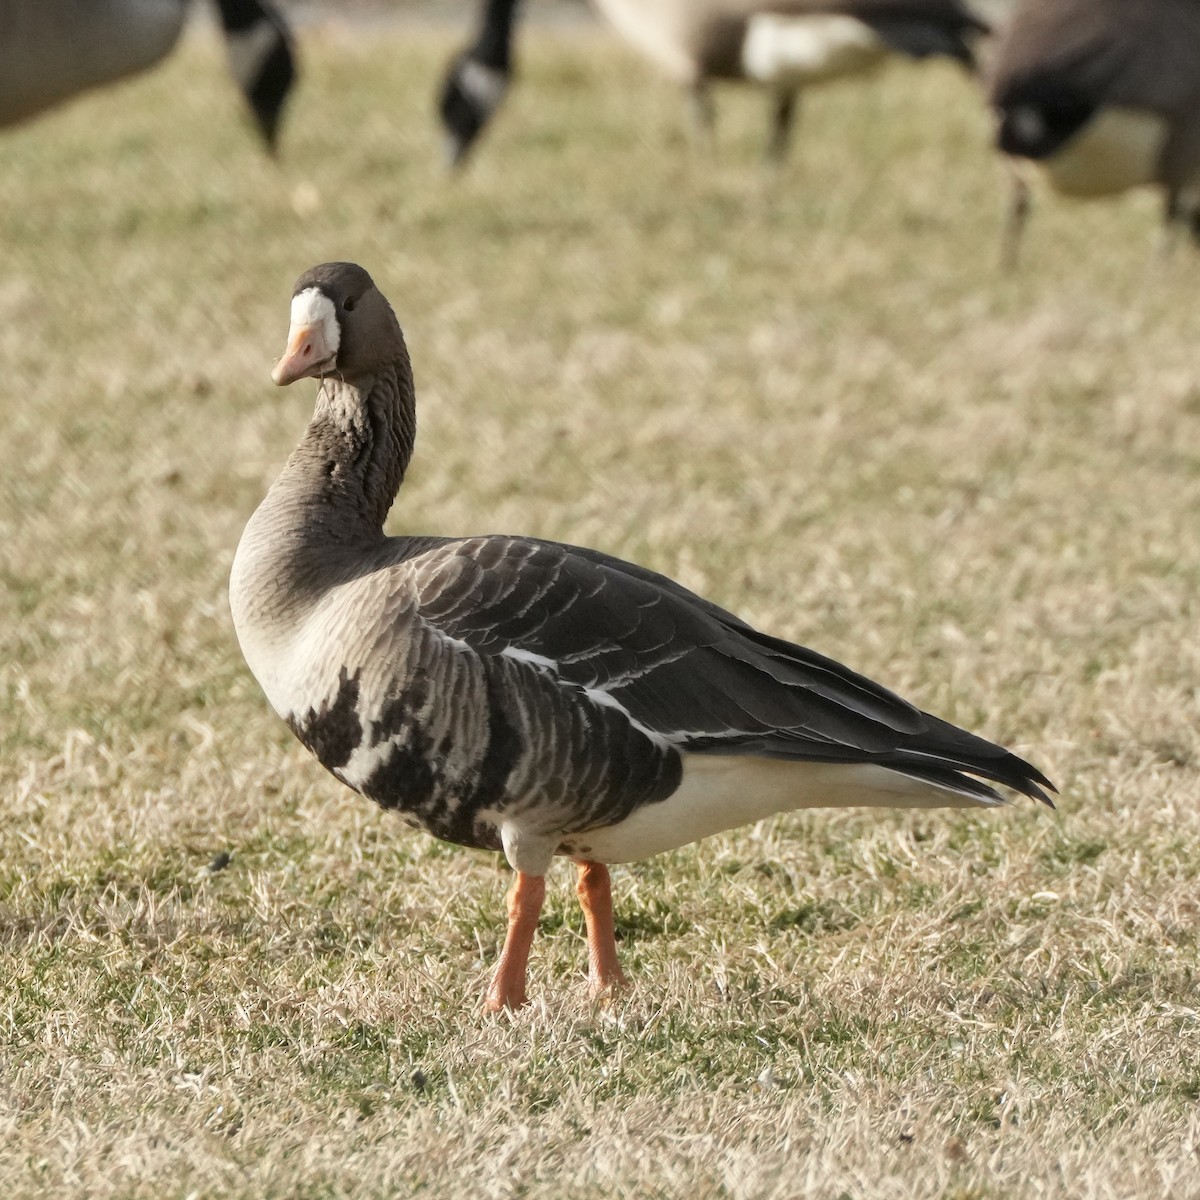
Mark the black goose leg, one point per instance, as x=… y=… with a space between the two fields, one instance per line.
x=783 y=116
x=1019 y=205
x=703 y=115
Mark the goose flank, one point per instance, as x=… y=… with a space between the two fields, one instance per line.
x=1100 y=96
x=507 y=693
x=51 y=50
x=781 y=46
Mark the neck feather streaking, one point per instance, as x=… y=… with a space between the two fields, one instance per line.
x=356 y=449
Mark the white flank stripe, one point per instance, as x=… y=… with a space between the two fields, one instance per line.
x=601 y=697
x=680 y=736
x=528 y=656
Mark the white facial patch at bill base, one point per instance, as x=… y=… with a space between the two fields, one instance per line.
x=794 y=50
x=313 y=307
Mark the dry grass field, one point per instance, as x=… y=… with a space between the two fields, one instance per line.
x=810 y=395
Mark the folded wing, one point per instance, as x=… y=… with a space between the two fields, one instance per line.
x=685 y=670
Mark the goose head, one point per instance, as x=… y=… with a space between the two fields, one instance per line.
x=471 y=93
x=259 y=46
x=341 y=325
x=1036 y=118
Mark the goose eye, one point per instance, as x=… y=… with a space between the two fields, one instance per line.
x=348 y=304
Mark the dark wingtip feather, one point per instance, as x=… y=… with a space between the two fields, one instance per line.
x=974 y=755
x=1014 y=772
x=1038 y=787
x=968 y=778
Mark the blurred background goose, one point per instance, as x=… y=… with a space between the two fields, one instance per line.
x=50 y=50
x=477 y=79
x=1102 y=95
x=780 y=45
x=545 y=700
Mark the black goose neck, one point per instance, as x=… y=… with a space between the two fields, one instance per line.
x=493 y=47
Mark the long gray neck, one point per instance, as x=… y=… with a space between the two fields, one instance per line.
x=345 y=473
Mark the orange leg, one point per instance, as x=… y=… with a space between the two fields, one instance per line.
x=507 y=989
x=595 y=898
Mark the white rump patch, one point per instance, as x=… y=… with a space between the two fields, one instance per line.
x=313 y=307
x=1118 y=148
x=247 y=49
x=789 y=51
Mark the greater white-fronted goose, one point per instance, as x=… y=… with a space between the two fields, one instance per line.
x=783 y=46
x=50 y=50
x=511 y=694
x=1102 y=95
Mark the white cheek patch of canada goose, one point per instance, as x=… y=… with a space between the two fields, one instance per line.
x=503 y=692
